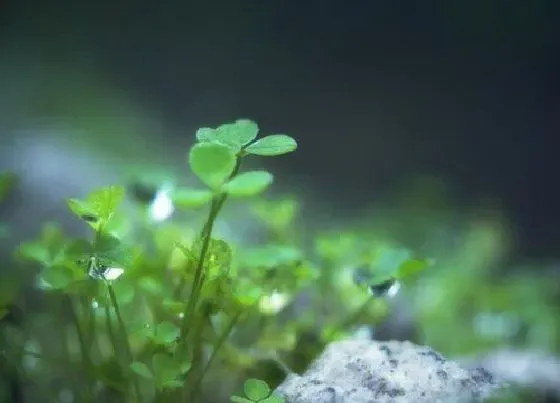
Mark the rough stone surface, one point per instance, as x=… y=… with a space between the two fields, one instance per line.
x=365 y=371
x=530 y=369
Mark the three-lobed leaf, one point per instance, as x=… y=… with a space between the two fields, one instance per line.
x=275 y=144
x=233 y=135
x=248 y=183
x=105 y=201
x=99 y=206
x=212 y=163
x=237 y=134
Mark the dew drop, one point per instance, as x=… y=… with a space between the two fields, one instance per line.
x=388 y=288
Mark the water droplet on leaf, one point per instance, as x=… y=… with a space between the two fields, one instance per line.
x=89 y=217
x=388 y=288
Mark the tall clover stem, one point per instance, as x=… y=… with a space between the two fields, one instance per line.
x=122 y=327
x=217 y=346
x=83 y=346
x=205 y=236
x=124 y=334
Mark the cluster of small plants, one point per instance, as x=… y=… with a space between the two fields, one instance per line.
x=489 y=305
x=475 y=298
x=154 y=311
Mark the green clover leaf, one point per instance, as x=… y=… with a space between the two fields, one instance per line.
x=237 y=134
x=191 y=198
x=207 y=134
x=166 y=333
x=167 y=370
x=246 y=293
x=248 y=184
x=212 y=163
x=270 y=256
x=233 y=135
x=60 y=277
x=412 y=267
x=99 y=206
x=255 y=389
x=276 y=144
x=276 y=214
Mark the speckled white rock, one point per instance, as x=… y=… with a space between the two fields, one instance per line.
x=365 y=371
x=529 y=369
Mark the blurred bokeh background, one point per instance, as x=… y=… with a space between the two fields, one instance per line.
x=438 y=121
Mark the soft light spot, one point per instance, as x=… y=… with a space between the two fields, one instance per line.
x=363 y=333
x=162 y=207
x=273 y=303
x=42 y=284
x=394 y=290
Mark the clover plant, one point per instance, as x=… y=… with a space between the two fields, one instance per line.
x=158 y=308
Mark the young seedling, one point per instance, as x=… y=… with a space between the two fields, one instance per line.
x=151 y=321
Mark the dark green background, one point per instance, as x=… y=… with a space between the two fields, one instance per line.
x=375 y=91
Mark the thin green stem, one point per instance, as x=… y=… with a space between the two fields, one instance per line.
x=83 y=348
x=86 y=306
x=205 y=235
x=124 y=334
x=197 y=353
x=109 y=325
x=219 y=343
